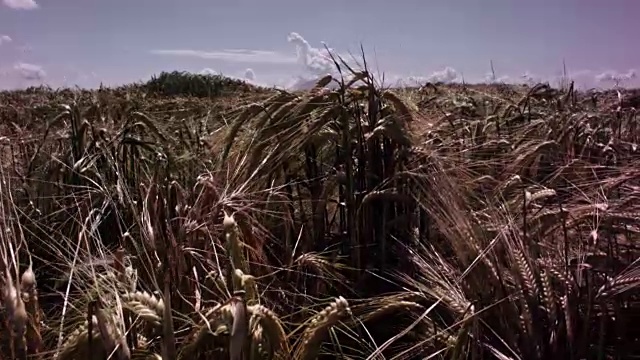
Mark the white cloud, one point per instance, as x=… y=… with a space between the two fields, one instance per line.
x=208 y=71
x=30 y=72
x=301 y=83
x=232 y=55
x=21 y=4
x=616 y=77
x=4 y=39
x=448 y=74
x=413 y=81
x=489 y=78
x=250 y=75
x=530 y=78
x=314 y=60
x=608 y=75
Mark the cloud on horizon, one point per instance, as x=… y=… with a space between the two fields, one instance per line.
x=249 y=74
x=21 y=4
x=489 y=78
x=208 y=71
x=30 y=72
x=451 y=75
x=446 y=75
x=616 y=77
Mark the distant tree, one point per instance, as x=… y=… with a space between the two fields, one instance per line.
x=181 y=83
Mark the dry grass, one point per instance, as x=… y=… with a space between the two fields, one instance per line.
x=453 y=222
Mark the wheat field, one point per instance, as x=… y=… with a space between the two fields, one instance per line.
x=199 y=217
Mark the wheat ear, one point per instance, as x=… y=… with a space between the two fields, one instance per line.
x=30 y=300
x=145 y=305
x=319 y=326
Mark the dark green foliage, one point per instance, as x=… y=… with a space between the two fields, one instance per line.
x=181 y=83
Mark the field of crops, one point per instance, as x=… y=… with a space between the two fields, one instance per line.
x=197 y=217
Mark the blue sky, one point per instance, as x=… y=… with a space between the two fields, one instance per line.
x=278 y=42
